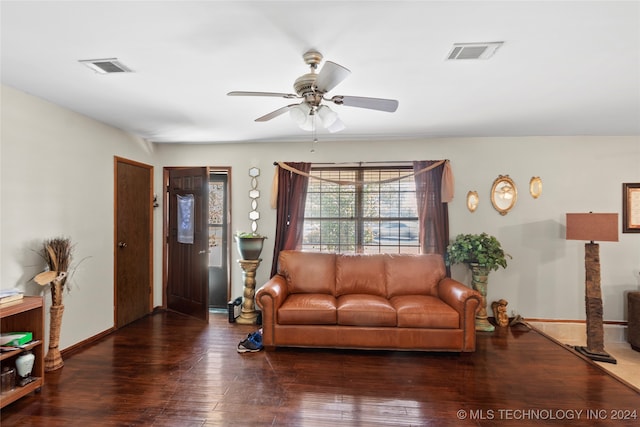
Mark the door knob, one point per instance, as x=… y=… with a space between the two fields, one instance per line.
x=202 y=252
x=122 y=245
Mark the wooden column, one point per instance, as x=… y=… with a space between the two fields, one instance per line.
x=248 y=313
x=593 y=306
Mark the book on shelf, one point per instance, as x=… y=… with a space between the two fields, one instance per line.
x=15 y=339
x=10 y=295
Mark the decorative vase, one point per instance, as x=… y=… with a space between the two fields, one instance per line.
x=249 y=248
x=24 y=366
x=53 y=359
x=479 y=279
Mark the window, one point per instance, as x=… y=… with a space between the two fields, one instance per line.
x=361 y=209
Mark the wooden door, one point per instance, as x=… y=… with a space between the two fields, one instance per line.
x=187 y=242
x=133 y=241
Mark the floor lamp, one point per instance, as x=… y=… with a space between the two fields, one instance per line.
x=602 y=227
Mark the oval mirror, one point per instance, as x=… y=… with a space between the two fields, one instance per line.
x=503 y=194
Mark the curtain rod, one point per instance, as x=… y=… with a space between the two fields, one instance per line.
x=389 y=163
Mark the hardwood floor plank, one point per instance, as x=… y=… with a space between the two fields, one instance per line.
x=171 y=370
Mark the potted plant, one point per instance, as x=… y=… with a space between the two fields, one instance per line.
x=482 y=253
x=249 y=244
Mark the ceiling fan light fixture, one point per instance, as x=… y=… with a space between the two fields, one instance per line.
x=327 y=115
x=309 y=124
x=311 y=88
x=300 y=113
x=337 y=126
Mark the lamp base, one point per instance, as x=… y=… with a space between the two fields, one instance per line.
x=598 y=357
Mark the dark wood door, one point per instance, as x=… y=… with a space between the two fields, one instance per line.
x=187 y=270
x=133 y=245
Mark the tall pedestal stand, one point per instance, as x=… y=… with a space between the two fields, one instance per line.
x=479 y=279
x=248 y=313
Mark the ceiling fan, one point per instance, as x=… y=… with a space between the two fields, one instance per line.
x=312 y=88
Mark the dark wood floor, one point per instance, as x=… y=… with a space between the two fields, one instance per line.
x=170 y=370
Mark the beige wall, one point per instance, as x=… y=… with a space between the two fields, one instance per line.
x=545 y=279
x=57 y=180
x=48 y=152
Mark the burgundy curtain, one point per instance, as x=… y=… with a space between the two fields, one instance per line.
x=433 y=215
x=292 y=195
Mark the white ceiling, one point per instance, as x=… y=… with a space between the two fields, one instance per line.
x=566 y=68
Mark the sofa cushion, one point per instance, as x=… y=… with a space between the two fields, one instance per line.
x=360 y=274
x=420 y=311
x=308 y=272
x=365 y=310
x=408 y=274
x=308 y=309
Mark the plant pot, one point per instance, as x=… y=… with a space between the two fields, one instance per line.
x=479 y=279
x=249 y=248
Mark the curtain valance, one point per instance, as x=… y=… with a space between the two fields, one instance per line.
x=447 y=189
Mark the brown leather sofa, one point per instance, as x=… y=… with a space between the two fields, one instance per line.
x=382 y=301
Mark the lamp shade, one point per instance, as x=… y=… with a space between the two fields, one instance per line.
x=300 y=113
x=601 y=227
x=327 y=115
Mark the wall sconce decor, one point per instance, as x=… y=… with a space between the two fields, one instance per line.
x=535 y=187
x=472 y=201
x=504 y=194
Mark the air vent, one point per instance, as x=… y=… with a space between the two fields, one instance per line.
x=106 y=66
x=473 y=50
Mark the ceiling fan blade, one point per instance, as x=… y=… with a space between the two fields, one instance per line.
x=330 y=76
x=275 y=94
x=275 y=113
x=380 y=104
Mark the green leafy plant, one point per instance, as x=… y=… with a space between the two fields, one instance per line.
x=482 y=249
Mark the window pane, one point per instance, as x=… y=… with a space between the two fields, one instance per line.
x=371 y=205
x=407 y=205
x=313 y=205
x=348 y=233
x=329 y=205
x=347 y=205
x=390 y=205
x=361 y=214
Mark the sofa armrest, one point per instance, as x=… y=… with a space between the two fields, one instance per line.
x=269 y=298
x=462 y=298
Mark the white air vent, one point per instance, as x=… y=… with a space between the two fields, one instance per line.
x=473 y=50
x=106 y=66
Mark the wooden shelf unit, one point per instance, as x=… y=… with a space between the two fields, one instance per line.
x=26 y=315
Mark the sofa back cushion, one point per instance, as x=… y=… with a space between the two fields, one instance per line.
x=409 y=274
x=360 y=274
x=308 y=272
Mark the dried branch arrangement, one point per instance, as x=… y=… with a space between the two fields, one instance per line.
x=57 y=253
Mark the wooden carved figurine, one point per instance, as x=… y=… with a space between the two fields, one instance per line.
x=500 y=312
